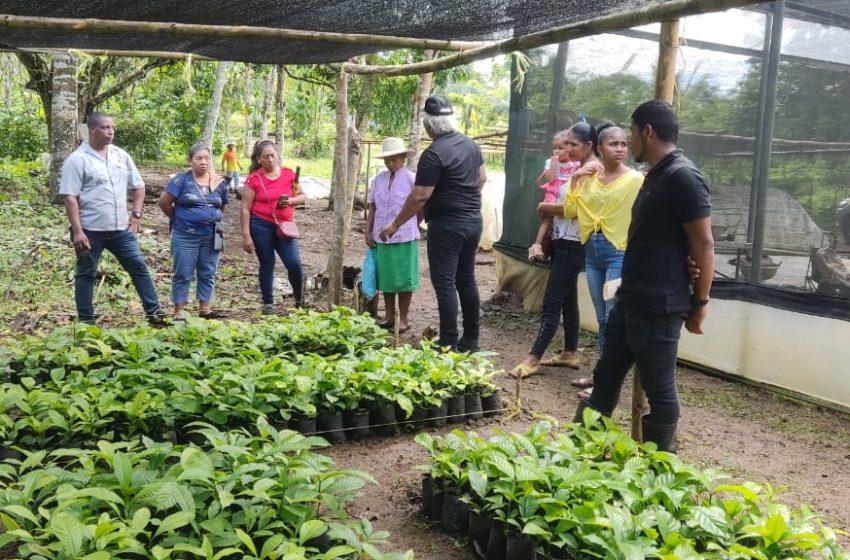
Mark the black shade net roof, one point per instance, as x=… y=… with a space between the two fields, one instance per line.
x=433 y=19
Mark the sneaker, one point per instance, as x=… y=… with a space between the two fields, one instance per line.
x=267 y=309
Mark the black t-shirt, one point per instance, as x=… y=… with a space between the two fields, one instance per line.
x=451 y=165
x=655 y=276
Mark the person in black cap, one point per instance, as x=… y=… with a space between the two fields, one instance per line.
x=449 y=179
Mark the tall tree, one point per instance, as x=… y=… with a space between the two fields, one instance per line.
x=248 y=101
x=63 y=139
x=268 y=96
x=339 y=192
x=215 y=104
x=8 y=73
x=280 y=108
x=423 y=90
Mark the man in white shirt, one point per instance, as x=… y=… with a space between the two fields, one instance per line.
x=95 y=180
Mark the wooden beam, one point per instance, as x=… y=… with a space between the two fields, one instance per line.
x=103 y=52
x=673 y=9
x=742 y=51
x=219 y=32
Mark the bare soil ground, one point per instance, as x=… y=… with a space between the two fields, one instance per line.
x=747 y=432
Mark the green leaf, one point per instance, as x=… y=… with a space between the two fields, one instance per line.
x=140 y=519
x=246 y=540
x=22 y=512
x=123 y=469
x=174 y=521
x=311 y=529
x=69 y=532
x=102 y=555
x=712 y=520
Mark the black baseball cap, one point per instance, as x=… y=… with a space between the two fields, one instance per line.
x=438 y=105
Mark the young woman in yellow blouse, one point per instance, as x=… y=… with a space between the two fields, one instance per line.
x=602 y=202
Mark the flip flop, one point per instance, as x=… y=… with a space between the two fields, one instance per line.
x=582 y=382
x=402 y=330
x=558 y=361
x=386 y=325
x=523 y=371
x=585 y=394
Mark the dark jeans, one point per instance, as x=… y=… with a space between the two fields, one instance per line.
x=124 y=245
x=452 y=245
x=561 y=297
x=266 y=244
x=650 y=341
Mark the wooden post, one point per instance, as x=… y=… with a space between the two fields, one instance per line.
x=665 y=85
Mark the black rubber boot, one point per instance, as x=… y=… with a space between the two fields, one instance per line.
x=582 y=404
x=663 y=435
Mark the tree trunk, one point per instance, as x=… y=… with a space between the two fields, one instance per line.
x=63 y=137
x=339 y=192
x=215 y=104
x=355 y=151
x=423 y=90
x=40 y=81
x=355 y=157
x=268 y=95
x=280 y=109
x=8 y=72
x=247 y=109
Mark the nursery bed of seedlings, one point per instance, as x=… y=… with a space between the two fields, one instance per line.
x=590 y=491
x=174 y=443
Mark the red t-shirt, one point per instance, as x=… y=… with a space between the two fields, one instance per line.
x=267 y=192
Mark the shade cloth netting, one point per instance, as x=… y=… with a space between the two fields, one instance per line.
x=435 y=19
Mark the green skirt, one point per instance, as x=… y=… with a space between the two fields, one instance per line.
x=398 y=266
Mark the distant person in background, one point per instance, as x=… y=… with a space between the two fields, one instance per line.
x=602 y=201
x=269 y=198
x=231 y=166
x=561 y=296
x=194 y=202
x=95 y=180
x=398 y=257
x=671 y=219
x=449 y=179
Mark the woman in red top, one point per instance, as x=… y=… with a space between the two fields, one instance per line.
x=270 y=195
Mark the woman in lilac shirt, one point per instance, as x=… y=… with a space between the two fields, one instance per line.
x=398 y=257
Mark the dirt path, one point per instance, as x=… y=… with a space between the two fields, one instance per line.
x=747 y=432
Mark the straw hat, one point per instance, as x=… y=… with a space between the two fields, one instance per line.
x=392 y=146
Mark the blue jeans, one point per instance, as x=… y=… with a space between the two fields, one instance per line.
x=266 y=244
x=650 y=341
x=193 y=254
x=452 y=245
x=603 y=263
x=234 y=180
x=124 y=245
x=561 y=297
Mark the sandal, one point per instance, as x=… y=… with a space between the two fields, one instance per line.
x=211 y=315
x=523 y=370
x=558 y=361
x=582 y=382
x=387 y=325
x=585 y=394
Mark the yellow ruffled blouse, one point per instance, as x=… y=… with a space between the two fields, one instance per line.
x=605 y=208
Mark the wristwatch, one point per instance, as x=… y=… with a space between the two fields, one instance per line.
x=697 y=302
x=136 y=214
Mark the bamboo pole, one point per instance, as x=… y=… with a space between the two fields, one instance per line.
x=125 y=54
x=220 y=32
x=673 y=9
x=665 y=86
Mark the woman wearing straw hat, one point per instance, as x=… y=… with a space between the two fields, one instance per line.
x=398 y=256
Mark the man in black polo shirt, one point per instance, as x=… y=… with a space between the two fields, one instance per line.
x=449 y=179
x=671 y=219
